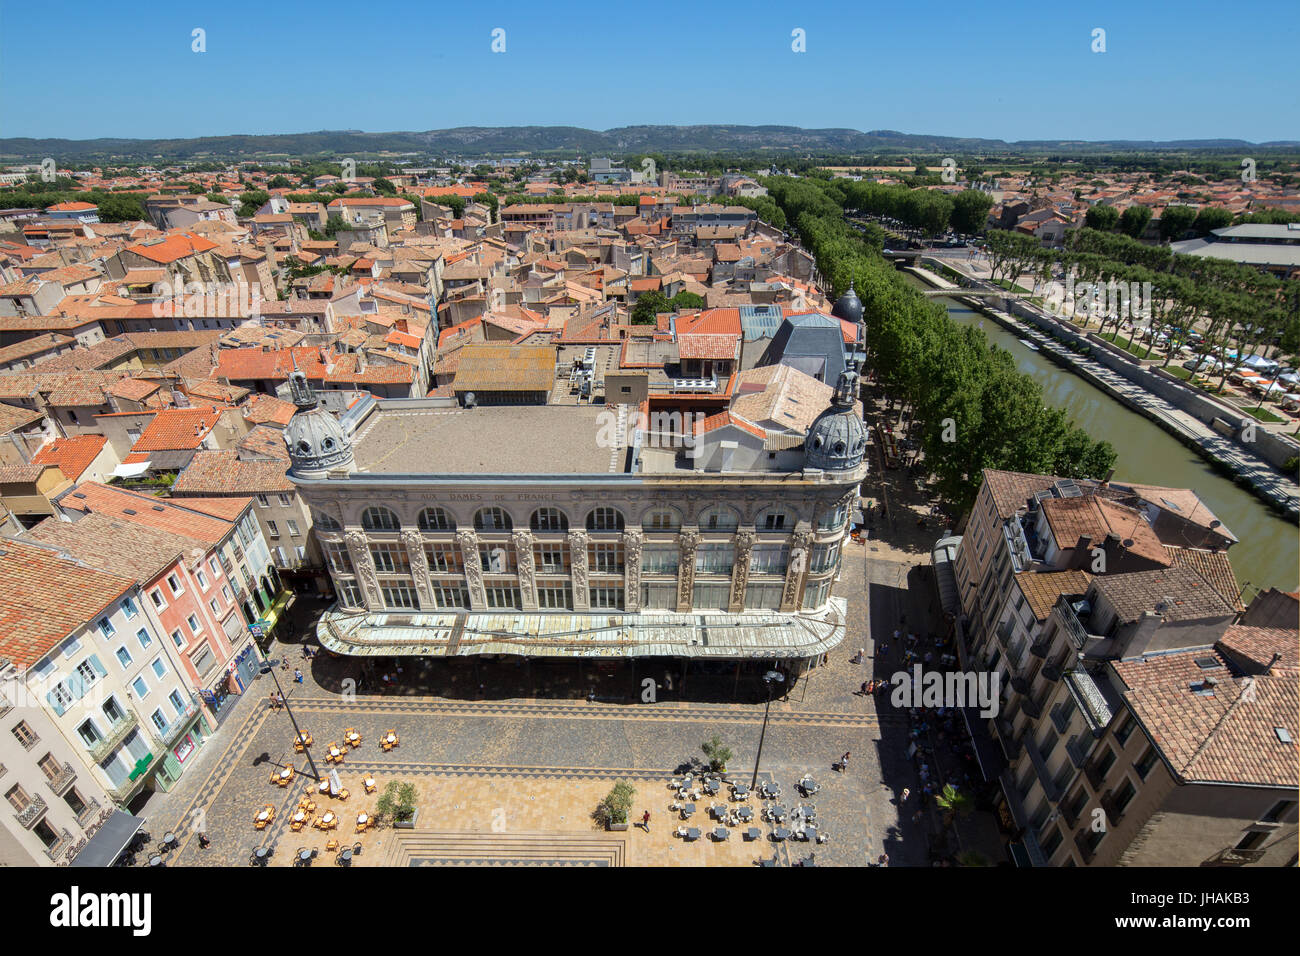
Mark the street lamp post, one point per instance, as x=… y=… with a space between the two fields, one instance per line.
x=268 y=667
x=770 y=678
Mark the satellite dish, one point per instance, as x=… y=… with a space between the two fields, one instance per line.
x=1127 y=542
x=1215 y=523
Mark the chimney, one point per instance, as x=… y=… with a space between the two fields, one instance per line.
x=1269 y=667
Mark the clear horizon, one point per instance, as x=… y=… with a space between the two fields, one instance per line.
x=1015 y=72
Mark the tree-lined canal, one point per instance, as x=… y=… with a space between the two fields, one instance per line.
x=1268 y=550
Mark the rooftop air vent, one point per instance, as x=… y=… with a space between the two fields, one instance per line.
x=128 y=511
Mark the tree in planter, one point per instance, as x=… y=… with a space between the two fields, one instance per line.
x=616 y=804
x=717 y=753
x=953 y=803
x=397 y=802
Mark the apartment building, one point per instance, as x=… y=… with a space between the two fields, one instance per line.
x=55 y=805
x=235 y=560
x=93 y=660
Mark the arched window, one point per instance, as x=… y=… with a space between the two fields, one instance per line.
x=492 y=519
x=325 y=522
x=605 y=519
x=719 y=518
x=379 y=518
x=774 y=519
x=435 y=519
x=661 y=519
x=548 y=519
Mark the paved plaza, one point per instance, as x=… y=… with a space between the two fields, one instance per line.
x=513 y=780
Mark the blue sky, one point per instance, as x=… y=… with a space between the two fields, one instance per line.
x=1017 y=71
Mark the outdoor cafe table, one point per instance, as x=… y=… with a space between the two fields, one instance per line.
x=260 y=853
x=346 y=855
x=264 y=815
x=155 y=861
x=299 y=817
x=720 y=833
x=780 y=833
x=745 y=814
x=740 y=791
x=688 y=810
x=711 y=787
x=304 y=856
x=286 y=773
x=778 y=813
x=324 y=786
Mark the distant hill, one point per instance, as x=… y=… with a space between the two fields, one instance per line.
x=469 y=141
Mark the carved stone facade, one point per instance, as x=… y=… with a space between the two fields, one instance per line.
x=633 y=541
x=688 y=541
x=795 y=573
x=468 y=541
x=364 y=563
x=414 y=543
x=578 y=558
x=523 y=542
x=740 y=570
x=447 y=557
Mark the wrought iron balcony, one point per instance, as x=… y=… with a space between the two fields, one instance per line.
x=1040 y=767
x=58 y=846
x=1073 y=626
x=1078 y=754
x=182 y=721
x=1052 y=672
x=1032 y=707
x=1060 y=719
x=116 y=734
x=1040 y=648
x=1004 y=631
x=63 y=780
x=28 y=816
x=1095 y=775
x=88 y=814
x=1234 y=857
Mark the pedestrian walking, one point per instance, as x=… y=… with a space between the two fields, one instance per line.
x=882 y=650
x=204 y=842
x=884 y=860
x=844 y=762
x=297 y=676
x=645 y=821
x=902 y=798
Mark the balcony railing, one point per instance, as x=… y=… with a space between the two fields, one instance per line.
x=1095 y=775
x=116 y=734
x=1073 y=626
x=1078 y=754
x=1060 y=719
x=1040 y=767
x=1235 y=857
x=63 y=780
x=55 y=849
x=182 y=721
x=88 y=814
x=1004 y=632
x=28 y=816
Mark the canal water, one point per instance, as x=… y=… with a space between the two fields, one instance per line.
x=1268 y=550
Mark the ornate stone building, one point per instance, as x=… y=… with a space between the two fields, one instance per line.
x=543 y=531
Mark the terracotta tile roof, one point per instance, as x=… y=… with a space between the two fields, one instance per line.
x=227 y=509
x=723 y=419
x=505 y=367
x=118 y=546
x=1011 y=489
x=222 y=472
x=263 y=441
x=1214 y=566
x=710 y=322
x=12 y=417
x=134 y=389
x=1223 y=733
x=45 y=597
x=707 y=346
x=1189 y=595
x=1096 y=518
x=72 y=455
x=1042 y=589
x=177 y=428
x=173 y=247
x=161 y=513
x=22 y=474
x=261 y=409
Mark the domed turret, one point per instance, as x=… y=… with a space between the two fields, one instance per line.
x=317 y=444
x=848 y=306
x=837 y=438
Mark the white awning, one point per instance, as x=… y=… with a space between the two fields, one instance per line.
x=133 y=470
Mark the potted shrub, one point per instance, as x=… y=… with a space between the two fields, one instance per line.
x=613 y=810
x=397 y=803
x=717 y=753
